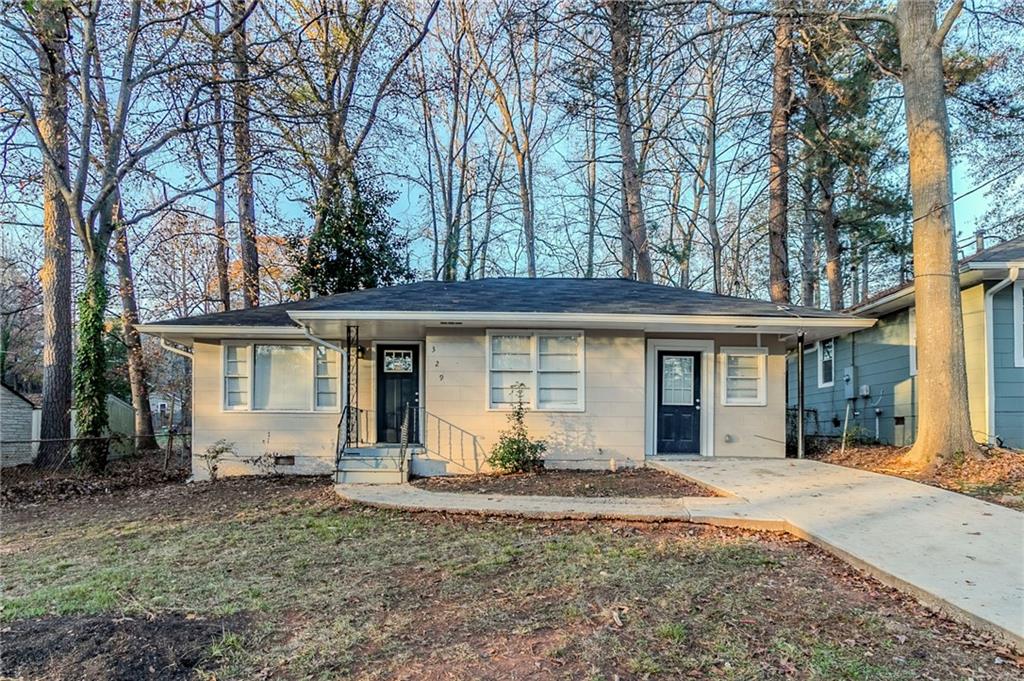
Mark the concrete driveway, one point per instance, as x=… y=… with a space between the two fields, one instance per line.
x=962 y=556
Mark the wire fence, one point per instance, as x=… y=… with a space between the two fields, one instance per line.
x=58 y=454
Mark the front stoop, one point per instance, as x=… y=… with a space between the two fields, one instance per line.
x=372 y=466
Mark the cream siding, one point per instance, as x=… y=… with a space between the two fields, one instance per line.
x=458 y=427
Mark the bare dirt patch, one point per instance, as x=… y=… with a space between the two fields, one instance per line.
x=997 y=477
x=630 y=482
x=25 y=484
x=108 y=648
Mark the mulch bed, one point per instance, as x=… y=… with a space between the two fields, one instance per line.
x=997 y=476
x=630 y=482
x=102 y=647
x=22 y=485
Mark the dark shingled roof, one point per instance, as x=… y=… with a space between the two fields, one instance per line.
x=545 y=295
x=1007 y=251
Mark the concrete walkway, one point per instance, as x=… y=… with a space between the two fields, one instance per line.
x=713 y=510
x=959 y=555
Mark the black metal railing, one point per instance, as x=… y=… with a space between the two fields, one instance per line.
x=354 y=428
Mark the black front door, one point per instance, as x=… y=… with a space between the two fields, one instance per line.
x=398 y=386
x=678 y=416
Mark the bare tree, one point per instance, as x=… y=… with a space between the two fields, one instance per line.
x=778 y=151
x=241 y=91
x=634 y=222
x=47 y=36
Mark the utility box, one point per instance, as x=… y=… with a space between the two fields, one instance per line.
x=849 y=383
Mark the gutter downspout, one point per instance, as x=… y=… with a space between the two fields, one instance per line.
x=800 y=394
x=990 y=375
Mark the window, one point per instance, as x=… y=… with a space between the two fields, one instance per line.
x=912 y=339
x=549 y=366
x=284 y=377
x=743 y=376
x=677 y=380
x=236 y=377
x=826 y=362
x=327 y=370
x=1018 y=324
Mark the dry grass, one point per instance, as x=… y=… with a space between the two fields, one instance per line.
x=313 y=588
x=628 y=482
x=998 y=476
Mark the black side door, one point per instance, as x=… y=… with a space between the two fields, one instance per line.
x=398 y=385
x=678 y=406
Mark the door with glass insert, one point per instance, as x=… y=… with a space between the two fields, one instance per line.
x=678 y=405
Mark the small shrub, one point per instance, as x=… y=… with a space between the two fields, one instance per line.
x=515 y=452
x=213 y=454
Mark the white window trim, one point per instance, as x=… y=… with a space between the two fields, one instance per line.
x=821 y=374
x=250 y=351
x=912 y=339
x=224 y=375
x=762 y=376
x=1018 y=323
x=531 y=404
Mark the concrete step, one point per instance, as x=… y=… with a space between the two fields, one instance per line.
x=370 y=477
x=364 y=463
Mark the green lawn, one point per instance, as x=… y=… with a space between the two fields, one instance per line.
x=299 y=585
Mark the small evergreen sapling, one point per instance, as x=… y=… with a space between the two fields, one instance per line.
x=515 y=452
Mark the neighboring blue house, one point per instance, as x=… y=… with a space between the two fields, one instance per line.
x=869 y=376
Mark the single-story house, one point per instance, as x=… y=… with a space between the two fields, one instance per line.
x=613 y=372
x=865 y=380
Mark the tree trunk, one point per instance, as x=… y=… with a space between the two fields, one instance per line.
x=711 y=156
x=243 y=159
x=526 y=202
x=809 y=245
x=91 y=363
x=621 y=37
x=830 y=233
x=219 y=212
x=778 y=146
x=591 y=186
x=943 y=425
x=144 y=439
x=628 y=269
x=55 y=275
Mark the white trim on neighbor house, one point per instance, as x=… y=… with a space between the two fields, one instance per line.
x=762 y=376
x=706 y=348
x=990 y=372
x=533 y=404
x=250 y=376
x=912 y=339
x=822 y=383
x=1018 y=324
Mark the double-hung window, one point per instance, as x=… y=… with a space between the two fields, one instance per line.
x=826 y=363
x=542 y=368
x=743 y=376
x=280 y=377
x=236 y=377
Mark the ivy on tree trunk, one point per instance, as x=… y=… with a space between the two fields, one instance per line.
x=90 y=372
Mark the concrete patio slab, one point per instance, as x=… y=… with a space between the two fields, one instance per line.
x=959 y=555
